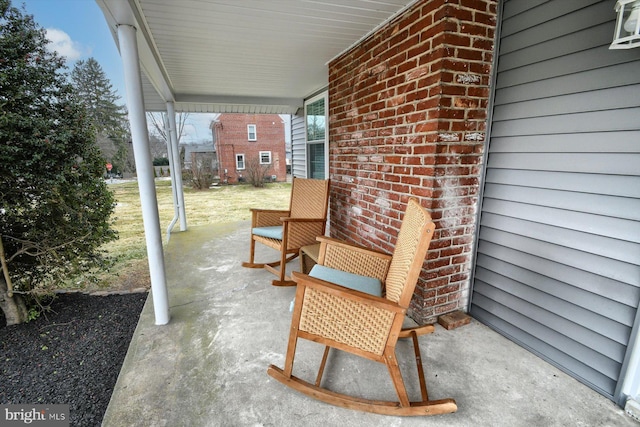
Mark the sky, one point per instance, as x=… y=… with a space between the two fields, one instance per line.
x=78 y=31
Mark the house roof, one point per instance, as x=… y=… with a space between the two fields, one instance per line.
x=242 y=56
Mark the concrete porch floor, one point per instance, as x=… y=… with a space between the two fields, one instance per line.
x=208 y=366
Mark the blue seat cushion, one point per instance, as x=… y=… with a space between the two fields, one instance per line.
x=356 y=282
x=274 y=232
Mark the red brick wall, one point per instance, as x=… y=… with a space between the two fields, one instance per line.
x=407 y=111
x=232 y=139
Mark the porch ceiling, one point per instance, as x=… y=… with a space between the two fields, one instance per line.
x=242 y=56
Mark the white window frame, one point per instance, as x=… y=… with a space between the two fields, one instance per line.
x=322 y=95
x=252 y=133
x=267 y=153
x=244 y=162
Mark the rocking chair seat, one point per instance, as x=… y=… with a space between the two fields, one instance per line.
x=274 y=232
x=369 y=285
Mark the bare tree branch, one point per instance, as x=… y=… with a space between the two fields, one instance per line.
x=159 y=124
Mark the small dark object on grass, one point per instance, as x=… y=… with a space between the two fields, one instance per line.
x=70 y=356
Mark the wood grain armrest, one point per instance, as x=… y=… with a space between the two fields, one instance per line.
x=269 y=210
x=290 y=219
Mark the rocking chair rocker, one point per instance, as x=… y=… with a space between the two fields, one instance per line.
x=358 y=320
x=288 y=230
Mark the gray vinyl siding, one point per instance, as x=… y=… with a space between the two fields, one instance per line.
x=558 y=261
x=298 y=147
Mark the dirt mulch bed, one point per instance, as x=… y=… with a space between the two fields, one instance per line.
x=70 y=356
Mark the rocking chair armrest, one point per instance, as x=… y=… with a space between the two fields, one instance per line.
x=267 y=217
x=284 y=211
x=352 y=258
x=304 y=280
x=290 y=219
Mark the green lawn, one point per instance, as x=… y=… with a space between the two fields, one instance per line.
x=217 y=205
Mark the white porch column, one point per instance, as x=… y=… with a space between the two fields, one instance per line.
x=144 y=169
x=177 y=169
x=172 y=175
x=631 y=382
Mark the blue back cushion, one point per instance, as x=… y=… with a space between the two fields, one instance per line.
x=356 y=282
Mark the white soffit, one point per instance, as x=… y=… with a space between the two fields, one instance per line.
x=244 y=56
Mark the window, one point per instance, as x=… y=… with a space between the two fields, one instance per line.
x=251 y=132
x=240 y=162
x=316 y=160
x=315 y=121
x=265 y=157
x=315 y=118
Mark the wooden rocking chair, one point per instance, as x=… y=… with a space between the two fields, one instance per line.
x=358 y=321
x=288 y=230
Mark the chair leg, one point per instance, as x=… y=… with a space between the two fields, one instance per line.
x=396 y=376
x=419 y=330
x=283 y=280
x=291 y=353
x=252 y=251
x=421 y=378
x=283 y=266
x=293 y=332
x=322 y=365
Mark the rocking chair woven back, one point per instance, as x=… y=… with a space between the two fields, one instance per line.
x=308 y=198
x=409 y=254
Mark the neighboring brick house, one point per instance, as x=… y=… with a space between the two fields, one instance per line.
x=245 y=141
